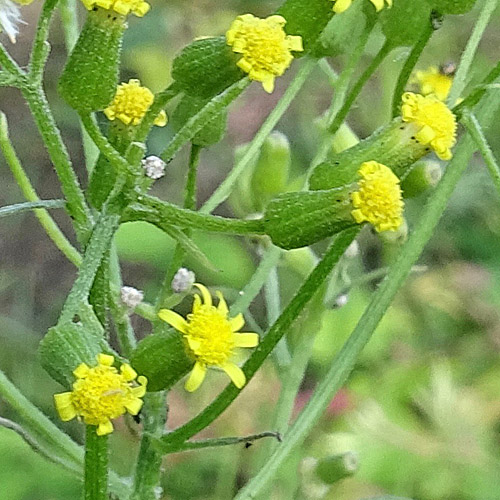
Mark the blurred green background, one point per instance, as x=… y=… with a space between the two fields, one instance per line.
x=422 y=408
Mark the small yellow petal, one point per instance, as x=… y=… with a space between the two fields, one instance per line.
x=105 y=359
x=134 y=406
x=237 y=322
x=268 y=85
x=235 y=374
x=196 y=377
x=103 y=429
x=246 y=339
x=161 y=120
x=64 y=406
x=81 y=371
x=207 y=298
x=173 y=319
x=128 y=372
x=222 y=307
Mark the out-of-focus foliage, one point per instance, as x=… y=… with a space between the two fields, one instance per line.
x=421 y=408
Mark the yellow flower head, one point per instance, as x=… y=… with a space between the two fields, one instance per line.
x=378 y=200
x=433 y=82
x=211 y=337
x=122 y=7
x=342 y=5
x=131 y=103
x=436 y=124
x=265 y=47
x=102 y=393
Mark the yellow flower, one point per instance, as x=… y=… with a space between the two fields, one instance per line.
x=102 y=393
x=342 y=5
x=131 y=103
x=211 y=337
x=433 y=82
x=378 y=200
x=122 y=7
x=434 y=123
x=265 y=47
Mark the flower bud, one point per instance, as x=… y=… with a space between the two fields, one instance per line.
x=89 y=79
x=183 y=280
x=334 y=468
x=154 y=167
x=270 y=176
x=423 y=176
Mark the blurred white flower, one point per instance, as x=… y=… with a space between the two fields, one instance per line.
x=10 y=17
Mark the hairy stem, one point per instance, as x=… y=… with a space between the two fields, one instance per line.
x=96 y=465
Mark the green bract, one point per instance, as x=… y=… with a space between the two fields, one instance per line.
x=89 y=79
x=295 y=220
x=162 y=358
x=206 y=67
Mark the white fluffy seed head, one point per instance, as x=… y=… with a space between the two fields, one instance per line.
x=183 y=280
x=131 y=297
x=154 y=167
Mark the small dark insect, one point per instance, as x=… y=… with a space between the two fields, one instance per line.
x=448 y=68
x=248 y=444
x=137 y=418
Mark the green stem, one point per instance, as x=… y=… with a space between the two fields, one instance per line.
x=20 y=208
x=228 y=441
x=164 y=214
x=96 y=465
x=190 y=204
x=460 y=79
x=408 y=67
x=99 y=244
x=9 y=65
x=224 y=190
x=148 y=468
x=41 y=48
x=198 y=121
x=358 y=87
x=275 y=333
x=46 y=221
x=345 y=360
x=475 y=96
x=475 y=130
x=77 y=207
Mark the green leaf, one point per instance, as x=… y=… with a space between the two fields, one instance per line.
x=307 y=19
x=89 y=79
x=70 y=343
x=162 y=358
x=404 y=23
x=206 y=67
x=212 y=132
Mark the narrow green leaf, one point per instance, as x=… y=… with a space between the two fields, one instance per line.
x=20 y=208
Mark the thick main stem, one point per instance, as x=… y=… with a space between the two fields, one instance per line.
x=96 y=465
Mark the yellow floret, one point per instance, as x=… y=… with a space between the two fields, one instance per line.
x=130 y=104
x=435 y=124
x=378 y=200
x=433 y=82
x=265 y=48
x=122 y=7
x=342 y=5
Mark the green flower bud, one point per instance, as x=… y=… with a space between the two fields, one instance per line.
x=212 y=132
x=206 y=67
x=89 y=79
x=334 y=468
x=162 y=358
x=426 y=124
x=422 y=177
x=270 y=176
